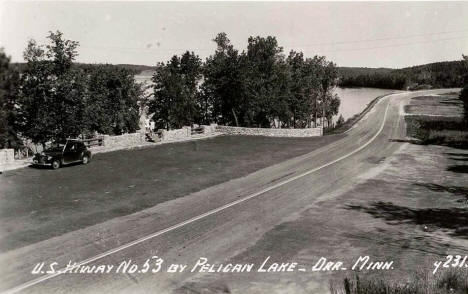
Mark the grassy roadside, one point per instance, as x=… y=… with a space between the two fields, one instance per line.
x=437 y=131
x=437 y=124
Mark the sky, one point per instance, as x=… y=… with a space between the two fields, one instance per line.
x=364 y=34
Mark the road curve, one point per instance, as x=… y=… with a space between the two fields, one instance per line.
x=218 y=223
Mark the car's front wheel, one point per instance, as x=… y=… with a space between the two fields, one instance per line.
x=85 y=159
x=55 y=164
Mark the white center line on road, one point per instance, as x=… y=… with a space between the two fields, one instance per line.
x=216 y=210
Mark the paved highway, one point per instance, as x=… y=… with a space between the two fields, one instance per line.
x=218 y=223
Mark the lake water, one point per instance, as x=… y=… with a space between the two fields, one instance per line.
x=354 y=100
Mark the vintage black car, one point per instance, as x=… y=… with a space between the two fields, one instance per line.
x=71 y=152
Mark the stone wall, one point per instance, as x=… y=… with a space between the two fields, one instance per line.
x=309 y=132
x=178 y=134
x=209 y=130
x=124 y=141
x=7 y=156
